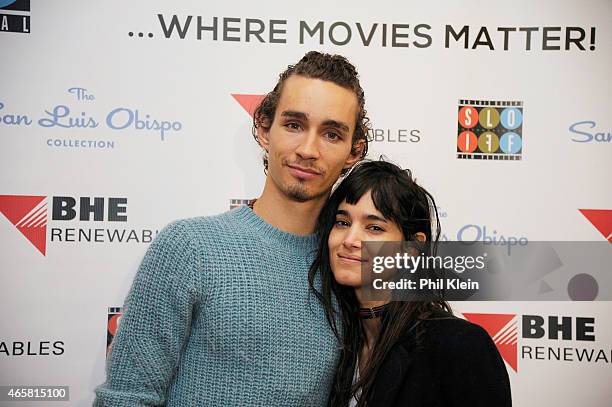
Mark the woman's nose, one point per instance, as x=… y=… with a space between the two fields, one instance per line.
x=353 y=239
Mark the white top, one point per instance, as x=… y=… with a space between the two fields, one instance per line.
x=353 y=401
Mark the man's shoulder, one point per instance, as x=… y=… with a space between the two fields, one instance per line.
x=228 y=217
x=202 y=228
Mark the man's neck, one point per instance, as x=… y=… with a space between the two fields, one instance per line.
x=290 y=216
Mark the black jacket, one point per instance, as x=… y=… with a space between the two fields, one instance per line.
x=453 y=363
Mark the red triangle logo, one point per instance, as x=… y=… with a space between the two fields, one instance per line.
x=503 y=330
x=248 y=102
x=601 y=219
x=29 y=215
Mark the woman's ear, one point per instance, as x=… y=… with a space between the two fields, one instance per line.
x=420 y=236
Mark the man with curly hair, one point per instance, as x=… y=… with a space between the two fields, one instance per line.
x=219 y=313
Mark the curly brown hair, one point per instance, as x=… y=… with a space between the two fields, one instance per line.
x=327 y=67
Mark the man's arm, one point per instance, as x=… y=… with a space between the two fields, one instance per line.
x=155 y=323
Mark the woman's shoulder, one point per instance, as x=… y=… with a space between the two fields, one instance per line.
x=443 y=360
x=446 y=333
x=451 y=331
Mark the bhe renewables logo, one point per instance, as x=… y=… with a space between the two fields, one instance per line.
x=249 y=102
x=30 y=214
x=540 y=336
x=490 y=130
x=601 y=219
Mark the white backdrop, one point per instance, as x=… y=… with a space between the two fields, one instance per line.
x=57 y=288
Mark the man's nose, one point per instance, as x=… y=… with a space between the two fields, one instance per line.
x=309 y=147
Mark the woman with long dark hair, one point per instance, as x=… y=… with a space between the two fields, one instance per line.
x=396 y=353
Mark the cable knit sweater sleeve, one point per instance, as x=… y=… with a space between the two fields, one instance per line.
x=155 y=323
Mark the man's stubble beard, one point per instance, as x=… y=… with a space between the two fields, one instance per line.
x=297 y=190
x=299 y=193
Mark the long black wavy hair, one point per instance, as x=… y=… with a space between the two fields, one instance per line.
x=398 y=198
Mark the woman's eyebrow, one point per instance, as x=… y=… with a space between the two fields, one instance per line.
x=343 y=212
x=375 y=217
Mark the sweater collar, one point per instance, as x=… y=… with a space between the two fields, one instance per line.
x=289 y=240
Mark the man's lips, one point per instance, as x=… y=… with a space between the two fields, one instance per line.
x=301 y=172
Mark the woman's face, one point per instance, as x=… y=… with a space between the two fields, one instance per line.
x=354 y=224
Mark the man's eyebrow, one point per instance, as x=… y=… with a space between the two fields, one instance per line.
x=336 y=124
x=294 y=114
x=303 y=116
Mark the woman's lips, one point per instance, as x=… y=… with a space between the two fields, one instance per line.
x=351 y=259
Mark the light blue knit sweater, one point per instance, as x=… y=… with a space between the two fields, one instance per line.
x=219 y=314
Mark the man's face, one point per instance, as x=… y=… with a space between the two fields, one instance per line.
x=310 y=139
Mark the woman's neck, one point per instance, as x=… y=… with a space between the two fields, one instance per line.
x=371 y=326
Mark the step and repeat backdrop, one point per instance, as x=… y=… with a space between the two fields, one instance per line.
x=119 y=117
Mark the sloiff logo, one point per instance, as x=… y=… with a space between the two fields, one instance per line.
x=490 y=130
x=114 y=316
x=236 y=203
x=16 y=21
x=601 y=219
x=29 y=215
x=503 y=329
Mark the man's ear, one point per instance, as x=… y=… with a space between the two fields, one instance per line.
x=263 y=138
x=356 y=151
x=263 y=133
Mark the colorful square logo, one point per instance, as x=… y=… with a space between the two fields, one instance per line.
x=17 y=19
x=236 y=203
x=490 y=130
x=114 y=315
